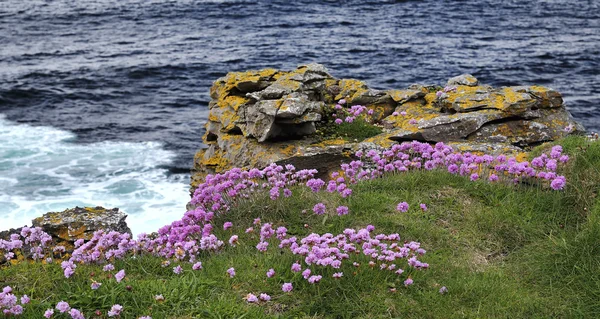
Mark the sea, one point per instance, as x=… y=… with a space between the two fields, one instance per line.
x=103 y=102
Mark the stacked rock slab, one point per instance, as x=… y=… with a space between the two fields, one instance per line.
x=80 y=223
x=271 y=116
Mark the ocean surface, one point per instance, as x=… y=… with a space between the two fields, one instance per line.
x=103 y=101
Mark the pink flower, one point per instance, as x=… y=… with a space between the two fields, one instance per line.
x=120 y=275
x=115 y=310
x=342 y=210
x=76 y=314
x=197 y=266
x=25 y=300
x=402 y=207
x=423 y=207
x=227 y=225
x=296 y=267
x=314 y=279
x=96 y=285
x=177 y=270
x=251 y=298
x=306 y=273
x=319 y=209
x=231 y=272
x=443 y=290
x=264 y=297
x=408 y=282
x=287 y=287
x=48 y=313
x=338 y=275
x=412 y=121
x=63 y=306
x=342 y=102
x=338 y=121
x=270 y=273
x=233 y=240
x=108 y=267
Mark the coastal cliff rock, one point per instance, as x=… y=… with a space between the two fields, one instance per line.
x=260 y=117
x=77 y=223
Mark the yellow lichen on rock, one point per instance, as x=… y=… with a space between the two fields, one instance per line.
x=350 y=89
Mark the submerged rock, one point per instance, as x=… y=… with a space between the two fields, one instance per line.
x=261 y=117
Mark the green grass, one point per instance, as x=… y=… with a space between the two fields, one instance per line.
x=359 y=129
x=503 y=252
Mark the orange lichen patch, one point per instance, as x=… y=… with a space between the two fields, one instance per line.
x=382 y=140
x=351 y=89
x=224 y=86
x=232 y=102
x=522 y=157
x=217 y=162
x=332 y=142
x=288 y=150
x=548 y=97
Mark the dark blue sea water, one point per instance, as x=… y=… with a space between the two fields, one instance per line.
x=132 y=71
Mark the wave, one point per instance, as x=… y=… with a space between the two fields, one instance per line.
x=42 y=170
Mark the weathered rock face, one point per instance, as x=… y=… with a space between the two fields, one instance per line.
x=260 y=117
x=73 y=224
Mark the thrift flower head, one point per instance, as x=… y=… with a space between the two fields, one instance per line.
x=115 y=310
x=63 y=306
x=408 y=282
x=96 y=285
x=76 y=314
x=319 y=209
x=443 y=290
x=177 y=270
x=338 y=275
x=402 y=207
x=48 y=313
x=108 y=267
x=197 y=266
x=265 y=297
x=314 y=279
x=296 y=267
x=251 y=298
x=342 y=210
x=227 y=225
x=231 y=272
x=120 y=275
x=287 y=287
x=270 y=273
x=25 y=300
x=423 y=207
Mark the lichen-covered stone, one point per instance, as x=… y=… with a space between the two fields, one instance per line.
x=81 y=222
x=271 y=116
x=463 y=79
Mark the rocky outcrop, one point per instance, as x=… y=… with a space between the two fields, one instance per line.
x=77 y=223
x=260 y=117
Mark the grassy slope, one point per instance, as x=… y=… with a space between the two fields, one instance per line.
x=502 y=251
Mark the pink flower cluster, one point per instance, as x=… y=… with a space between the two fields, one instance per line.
x=329 y=251
x=348 y=114
x=9 y=303
x=417 y=155
x=31 y=241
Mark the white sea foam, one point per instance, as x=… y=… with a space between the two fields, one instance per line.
x=42 y=170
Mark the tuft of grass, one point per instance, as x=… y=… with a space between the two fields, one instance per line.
x=501 y=250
